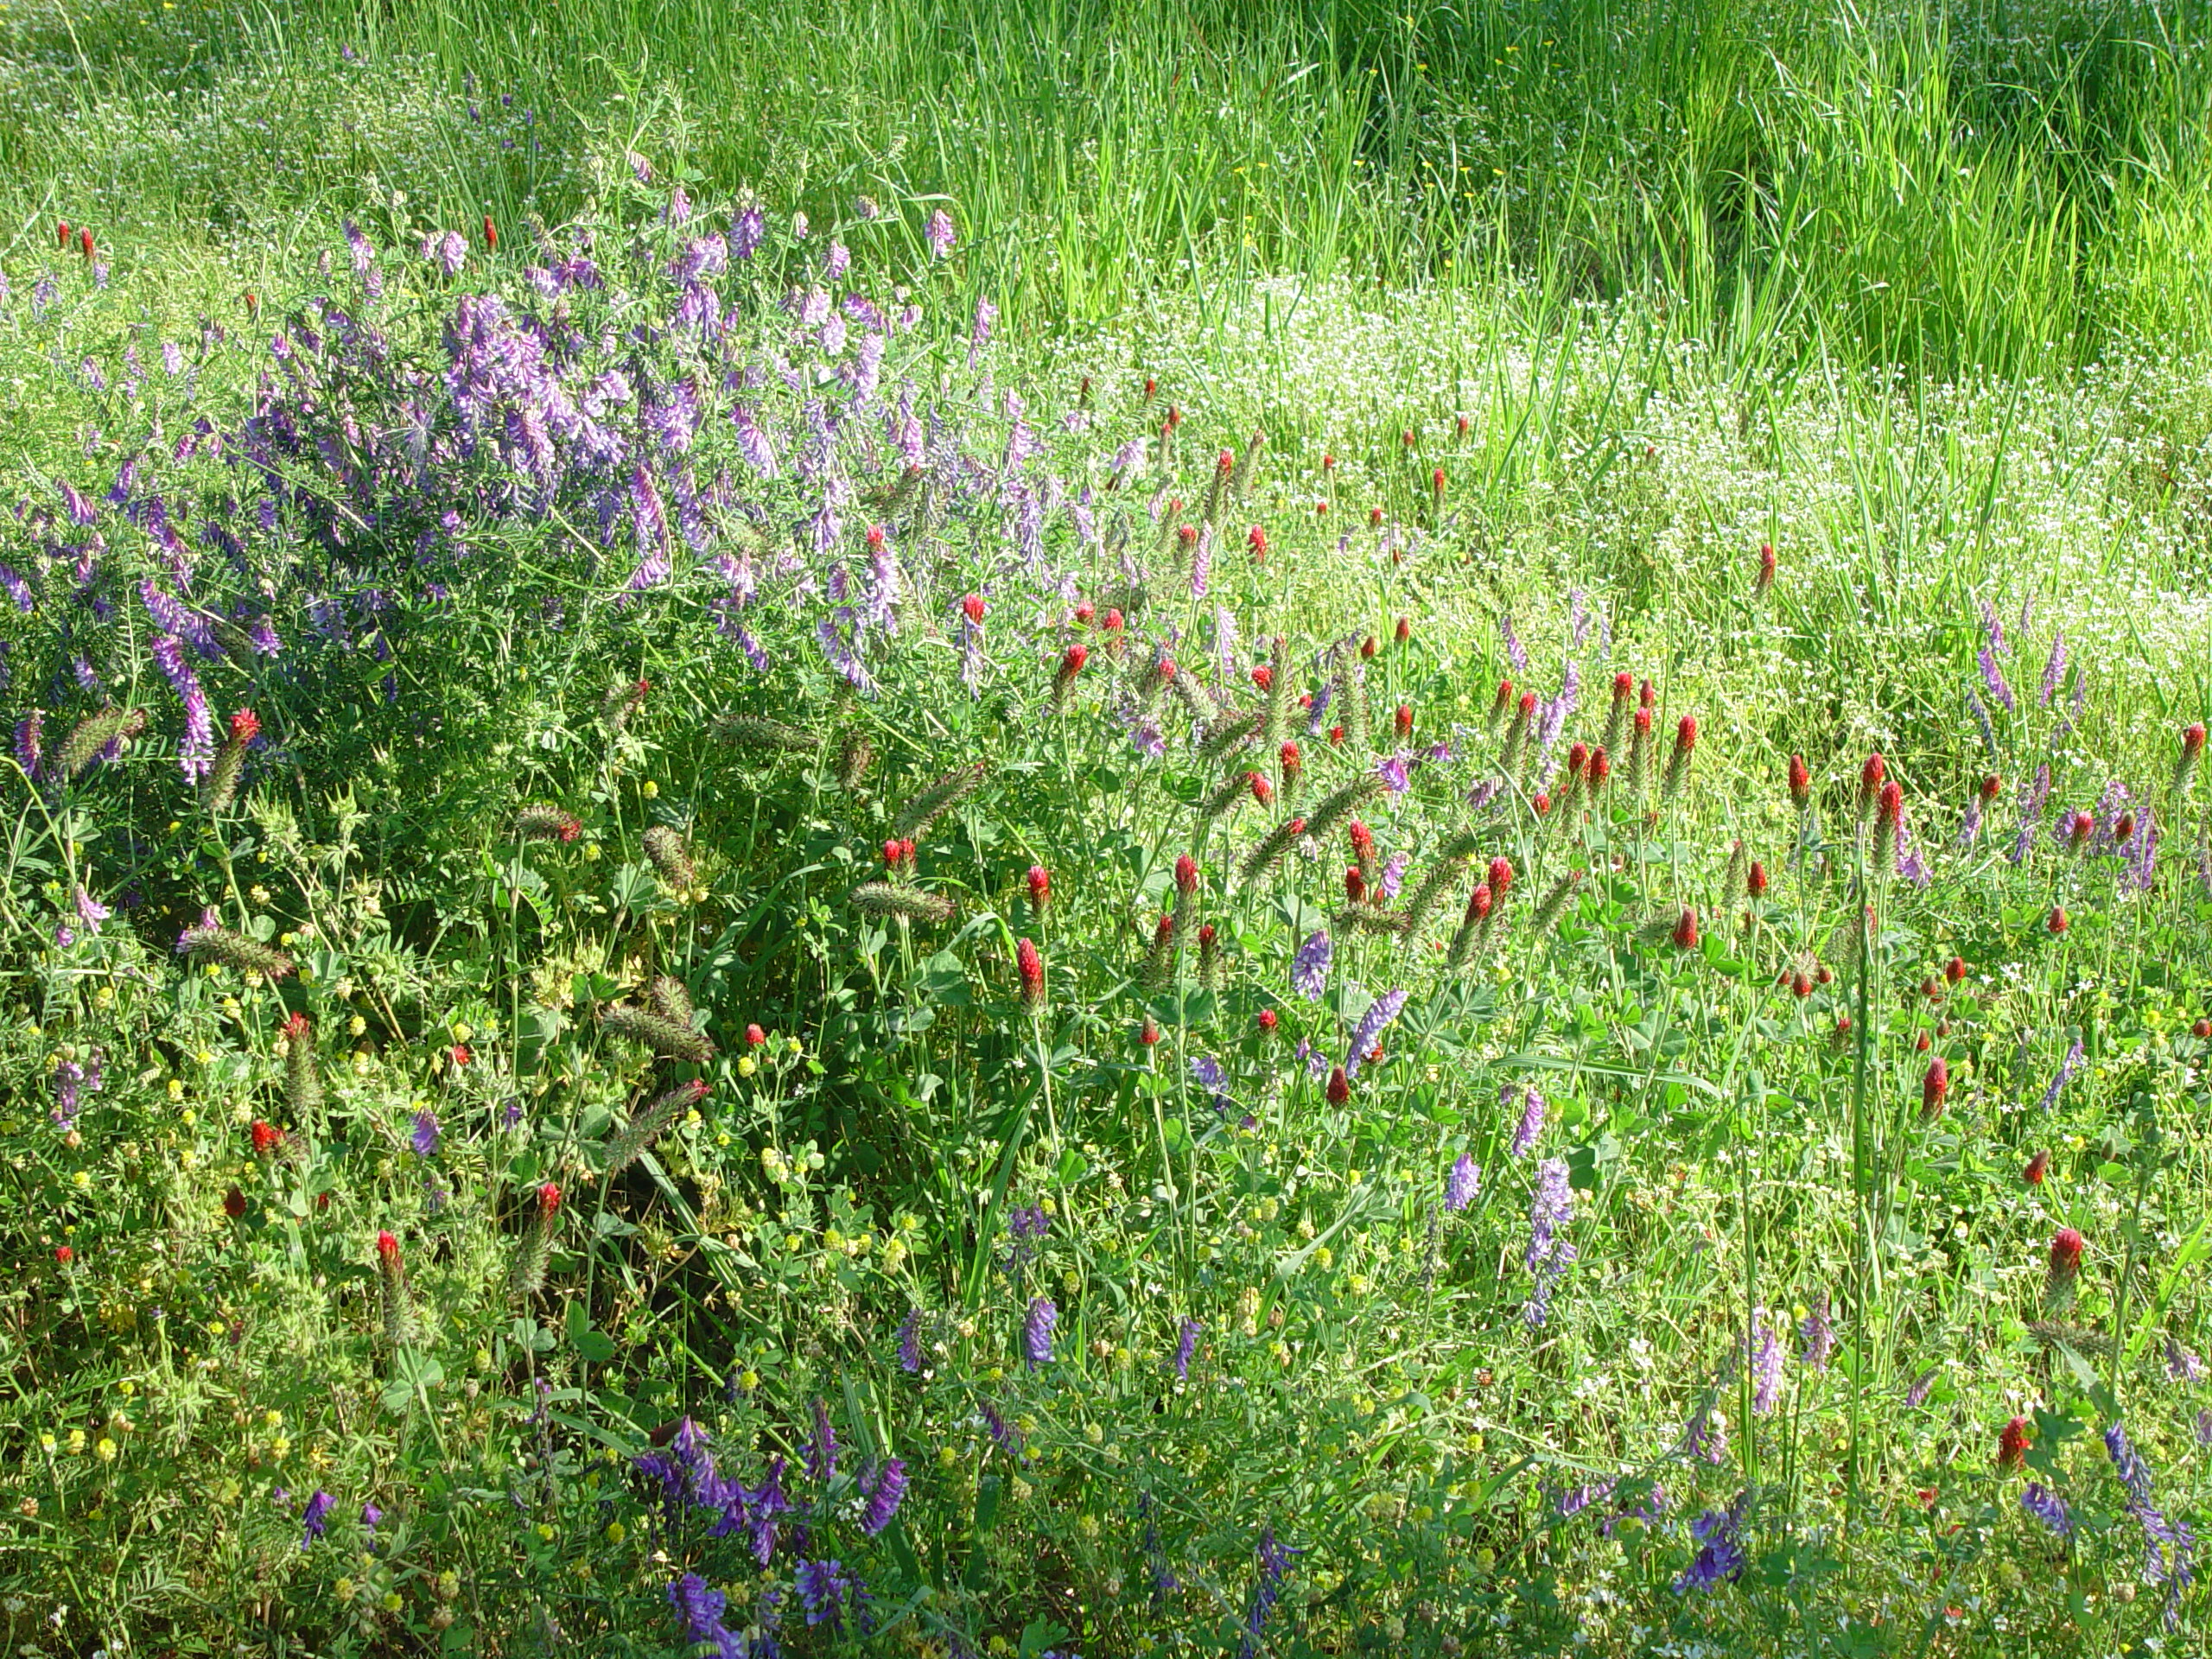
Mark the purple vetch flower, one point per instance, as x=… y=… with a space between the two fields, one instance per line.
x=821 y=1450
x=828 y=1593
x=910 y=1342
x=2034 y=795
x=1393 y=875
x=197 y=752
x=1981 y=723
x=884 y=1492
x=1516 y=652
x=2204 y=1426
x=1706 y=1435
x=753 y=444
x=1817 y=1334
x=2141 y=868
x=1716 y=1534
x=2047 y=1507
x=18 y=590
x=1395 y=772
x=1993 y=676
x=1309 y=969
x=2167 y=1545
x=2054 y=670
x=1552 y=719
x=91 y=913
x=1380 y=1013
x=1460 y=1184
x=1916 y=1395
x=938 y=234
x=979 y=334
x=1315 y=1061
x=1970 y=826
x=1578 y=618
x=1910 y=866
x=2067 y=1068
x=1206 y=1071
x=1531 y=1126
x=315 y=1518
x=698 y=1607
x=1573 y=1502
x=1275 y=1565
x=746 y=232
x=1766 y=1367
x=1202 y=563
x=372 y=1517
x=1551 y=1208
x=1037 y=1331
x=31 y=743
x=68 y=1079
x=450 y=252
x=2182 y=1365
x=1186 y=1345
x=1002 y=1434
x=424 y=1138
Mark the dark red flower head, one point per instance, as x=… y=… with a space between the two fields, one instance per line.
x=1257 y=539
x=1269 y=1020
x=1766 y=565
x=85 y=243
x=1600 y=768
x=2123 y=829
x=267 y=1137
x=1336 y=736
x=1955 y=969
x=1186 y=873
x=1187 y=535
x=2037 y=1167
x=1892 y=804
x=1264 y=677
x=459 y=1054
x=973 y=607
x=1339 y=1089
x=2012 y=1444
x=245 y=726
x=754 y=1036
x=388 y=1249
x=1374 y=522
x=1354 y=884
x=1542 y=803
x=1263 y=791
x=64 y=1254
x=1367 y=646
x=1624 y=686
x=1869 y=777
x=2201 y=1030
x=1292 y=760
x=1405 y=630
x=1801 y=780
x=1755 y=880
x=2057 y=922
x=1801 y=985
x=1436 y=483
x=61 y=234
x=491 y=235
x=2065 y=1253
x=1934 y=1086
x=1040 y=885
x=1083 y=613
x=549 y=1200
x=1504 y=699
x=1500 y=874
x=1686 y=928
x=1225 y=463
x=1480 y=901
x=1405 y=721
x=1148 y=1033
x=234 y=1204
x=1647 y=696
x=1407 y=438
x=1113 y=623
x=2192 y=741
x=2078 y=829
x=296 y=1027
x=1031 y=967
x=1990 y=785
x=1072 y=663
x=1643 y=722
x=1528 y=705
x=1576 y=757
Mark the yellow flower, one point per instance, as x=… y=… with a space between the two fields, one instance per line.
x=76 y=1441
x=746 y=1067
x=652 y=790
x=259 y=895
x=105 y=1450
x=343 y=1589
x=544 y=1533
x=356 y=1025
x=463 y=1032
x=393 y=1603
x=616 y=1532
x=46 y=1439
x=176 y=1089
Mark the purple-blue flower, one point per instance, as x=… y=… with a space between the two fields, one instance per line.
x=1380 y=1013
x=315 y=1518
x=1186 y=1345
x=1309 y=969
x=1460 y=1184
x=424 y=1138
x=1531 y=1126
x=1037 y=1331
x=828 y=1593
x=1720 y=1551
x=1551 y=1207
x=884 y=1492
x=2047 y=1507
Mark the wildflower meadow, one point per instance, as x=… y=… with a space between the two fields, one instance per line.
x=746 y=912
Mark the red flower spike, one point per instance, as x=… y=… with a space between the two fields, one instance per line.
x=1685 y=930
x=1263 y=791
x=1083 y=613
x=1624 y=686
x=64 y=1254
x=2057 y=922
x=875 y=537
x=2123 y=829
x=2038 y=1166
x=1320 y=509
x=549 y=1200
x=2078 y=829
x=1480 y=901
x=1686 y=734
x=1264 y=677
x=2201 y=1030
x=1165 y=931
x=1801 y=780
x=1955 y=969
x=1504 y=700
x=234 y=1204
x=2192 y=741
x=1031 y=967
x=1406 y=439
x=1462 y=426
x=61 y=233
x=267 y=1138
x=891 y=853
x=1991 y=785
x=1113 y=623
x=972 y=606
x=2065 y=1253
x=2012 y=1444
x=1336 y=736
x=1755 y=880
x=459 y=1054
x=1072 y=663
x=1328 y=463
x=245 y=726
x=491 y=235
x=1269 y=1020
x=1367 y=646
x=1257 y=539
x=1934 y=1086
x=1648 y=696
x=1148 y=1033
x=1542 y=803
x=85 y=244
x=1293 y=762
x=754 y=1036
x=1801 y=987
x=1528 y=705
x=1920 y=1044
x=1405 y=630
x=388 y=1249
x=1870 y=779
x=1500 y=874
x=1225 y=463
x=1040 y=885
x=1354 y=884
x=1643 y=721
x=1151 y=387
x=1576 y=757
x=1188 y=536
x=296 y=1027
x=1339 y=1089
x=1824 y=974
x=1405 y=721
x=1892 y=804
x=1600 y=768
x=1186 y=873
x=1206 y=936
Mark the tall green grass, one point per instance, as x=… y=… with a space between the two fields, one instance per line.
x=1997 y=185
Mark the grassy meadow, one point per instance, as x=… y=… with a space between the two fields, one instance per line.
x=1045 y=829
